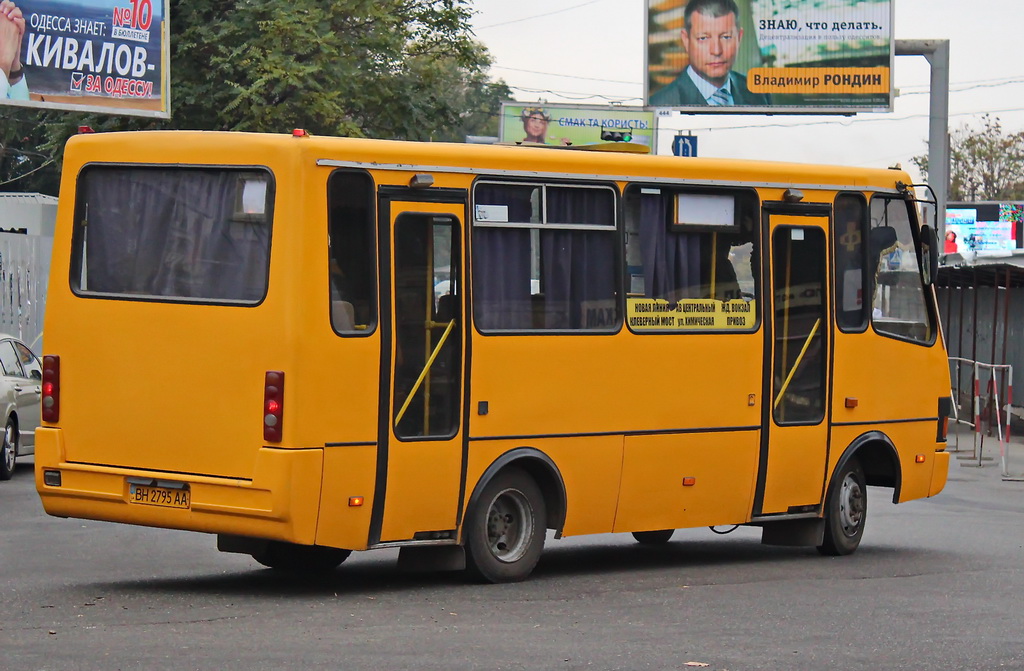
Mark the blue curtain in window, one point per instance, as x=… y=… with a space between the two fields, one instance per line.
x=501 y=278
x=501 y=262
x=671 y=260
x=577 y=267
x=171 y=233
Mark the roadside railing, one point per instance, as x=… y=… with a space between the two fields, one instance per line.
x=987 y=410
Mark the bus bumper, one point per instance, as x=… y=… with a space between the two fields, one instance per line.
x=280 y=502
x=940 y=471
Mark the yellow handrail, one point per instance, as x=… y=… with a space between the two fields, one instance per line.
x=423 y=373
x=796 y=364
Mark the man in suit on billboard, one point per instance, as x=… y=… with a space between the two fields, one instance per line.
x=711 y=36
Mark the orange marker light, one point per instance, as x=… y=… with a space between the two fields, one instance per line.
x=919 y=459
x=355 y=501
x=689 y=481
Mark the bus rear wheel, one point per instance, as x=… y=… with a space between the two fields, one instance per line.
x=505 y=530
x=846 y=511
x=291 y=557
x=659 y=537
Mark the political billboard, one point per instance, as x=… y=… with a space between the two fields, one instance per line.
x=565 y=124
x=772 y=56
x=88 y=55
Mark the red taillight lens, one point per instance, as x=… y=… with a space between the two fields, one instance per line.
x=273 y=406
x=51 y=388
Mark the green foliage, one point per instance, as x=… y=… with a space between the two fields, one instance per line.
x=984 y=164
x=399 y=69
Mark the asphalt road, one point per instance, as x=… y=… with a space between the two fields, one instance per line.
x=936 y=584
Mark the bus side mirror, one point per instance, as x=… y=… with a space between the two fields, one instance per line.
x=929 y=254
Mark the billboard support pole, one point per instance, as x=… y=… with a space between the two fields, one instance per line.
x=937 y=53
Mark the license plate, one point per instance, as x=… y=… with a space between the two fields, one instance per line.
x=159 y=496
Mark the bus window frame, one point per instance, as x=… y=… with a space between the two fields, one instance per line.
x=75 y=265
x=618 y=247
x=825 y=332
x=865 y=226
x=927 y=293
x=374 y=227
x=757 y=248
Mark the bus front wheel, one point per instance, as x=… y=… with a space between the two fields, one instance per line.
x=505 y=530
x=291 y=557
x=846 y=511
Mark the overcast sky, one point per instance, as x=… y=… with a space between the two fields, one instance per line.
x=592 y=52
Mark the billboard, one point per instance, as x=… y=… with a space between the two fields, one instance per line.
x=983 y=228
x=563 y=124
x=88 y=55
x=777 y=56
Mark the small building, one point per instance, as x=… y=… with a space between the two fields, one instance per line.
x=26 y=242
x=28 y=213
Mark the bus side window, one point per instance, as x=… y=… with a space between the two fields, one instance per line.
x=352 y=260
x=669 y=262
x=852 y=264
x=549 y=253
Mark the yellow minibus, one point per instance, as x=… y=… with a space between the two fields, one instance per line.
x=315 y=345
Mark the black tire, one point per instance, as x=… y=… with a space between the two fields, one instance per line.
x=8 y=450
x=505 y=530
x=300 y=558
x=846 y=511
x=659 y=537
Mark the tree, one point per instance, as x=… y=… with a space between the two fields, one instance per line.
x=984 y=163
x=399 y=69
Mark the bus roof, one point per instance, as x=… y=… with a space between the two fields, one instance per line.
x=206 y=147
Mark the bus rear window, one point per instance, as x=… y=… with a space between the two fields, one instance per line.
x=176 y=234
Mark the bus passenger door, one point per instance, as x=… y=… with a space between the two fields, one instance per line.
x=794 y=450
x=419 y=470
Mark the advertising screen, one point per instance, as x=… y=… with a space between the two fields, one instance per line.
x=981 y=229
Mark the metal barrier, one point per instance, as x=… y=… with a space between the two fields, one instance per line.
x=988 y=409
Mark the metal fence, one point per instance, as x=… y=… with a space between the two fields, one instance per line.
x=990 y=410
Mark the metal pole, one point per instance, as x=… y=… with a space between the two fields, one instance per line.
x=1006 y=334
x=937 y=53
x=974 y=324
x=960 y=339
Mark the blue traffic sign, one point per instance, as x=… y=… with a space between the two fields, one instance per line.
x=684 y=145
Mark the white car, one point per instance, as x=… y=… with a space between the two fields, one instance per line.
x=20 y=392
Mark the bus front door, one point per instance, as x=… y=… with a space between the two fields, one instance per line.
x=420 y=458
x=794 y=450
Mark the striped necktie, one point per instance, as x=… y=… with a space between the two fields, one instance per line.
x=720 y=97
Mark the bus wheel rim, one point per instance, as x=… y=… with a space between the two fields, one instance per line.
x=509 y=526
x=851 y=505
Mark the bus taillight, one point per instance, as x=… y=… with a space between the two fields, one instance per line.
x=51 y=388
x=273 y=406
